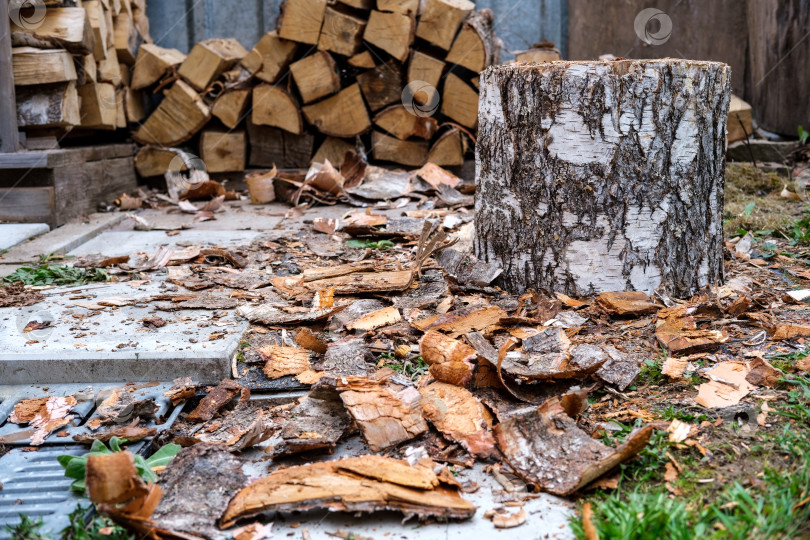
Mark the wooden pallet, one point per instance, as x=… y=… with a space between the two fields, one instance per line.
x=55 y=186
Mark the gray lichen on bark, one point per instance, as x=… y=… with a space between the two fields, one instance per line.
x=603 y=176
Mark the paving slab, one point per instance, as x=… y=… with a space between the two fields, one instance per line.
x=12 y=234
x=61 y=240
x=83 y=344
x=235 y=215
x=119 y=243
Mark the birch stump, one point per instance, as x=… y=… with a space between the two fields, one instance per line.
x=603 y=176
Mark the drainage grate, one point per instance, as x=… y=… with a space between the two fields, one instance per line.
x=31 y=481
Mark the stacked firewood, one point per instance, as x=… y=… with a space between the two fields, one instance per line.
x=72 y=64
x=379 y=76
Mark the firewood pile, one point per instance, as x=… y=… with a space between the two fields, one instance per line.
x=72 y=64
x=381 y=76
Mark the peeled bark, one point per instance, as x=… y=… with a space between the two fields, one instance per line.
x=603 y=176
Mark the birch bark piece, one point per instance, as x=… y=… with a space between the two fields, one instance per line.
x=603 y=176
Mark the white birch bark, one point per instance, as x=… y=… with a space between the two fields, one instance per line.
x=603 y=176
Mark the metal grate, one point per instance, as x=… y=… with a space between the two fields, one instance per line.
x=31 y=481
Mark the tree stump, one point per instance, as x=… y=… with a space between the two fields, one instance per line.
x=603 y=176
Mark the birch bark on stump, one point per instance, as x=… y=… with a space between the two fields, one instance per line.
x=603 y=176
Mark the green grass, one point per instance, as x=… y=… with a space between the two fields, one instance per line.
x=370 y=244
x=413 y=369
x=48 y=273
x=98 y=528
x=777 y=508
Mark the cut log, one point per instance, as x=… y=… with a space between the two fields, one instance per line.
x=449 y=149
x=334 y=150
x=134 y=105
x=41 y=66
x=601 y=214
x=315 y=76
x=272 y=106
x=87 y=69
x=342 y=33
x=403 y=124
x=153 y=63
x=274 y=55
x=67 y=27
x=180 y=115
x=125 y=37
x=47 y=106
x=410 y=153
x=391 y=32
x=98 y=26
x=476 y=47
x=739 y=120
x=399 y=6
x=230 y=107
x=155 y=161
x=538 y=55
x=208 y=60
x=423 y=68
x=460 y=101
x=362 y=60
x=98 y=106
x=108 y=68
x=272 y=146
x=382 y=86
x=343 y=115
x=441 y=20
x=120 y=109
x=358 y=4
x=223 y=151
x=301 y=20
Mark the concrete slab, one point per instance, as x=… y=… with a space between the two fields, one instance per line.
x=119 y=243
x=235 y=215
x=12 y=234
x=112 y=345
x=61 y=240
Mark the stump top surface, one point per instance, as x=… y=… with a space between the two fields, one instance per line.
x=618 y=65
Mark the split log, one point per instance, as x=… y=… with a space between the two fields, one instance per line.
x=272 y=146
x=109 y=69
x=155 y=161
x=301 y=20
x=342 y=115
x=87 y=69
x=441 y=20
x=41 y=66
x=98 y=106
x=272 y=106
x=153 y=63
x=315 y=76
x=272 y=55
x=48 y=106
x=98 y=26
x=134 y=105
x=180 y=115
x=449 y=149
x=410 y=153
x=538 y=55
x=382 y=86
x=425 y=68
x=223 y=151
x=61 y=27
x=460 y=101
x=739 y=120
x=334 y=150
x=362 y=60
x=208 y=60
x=578 y=196
x=230 y=107
x=391 y=32
x=125 y=38
x=475 y=46
x=408 y=7
x=359 y=4
x=342 y=33
x=402 y=124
